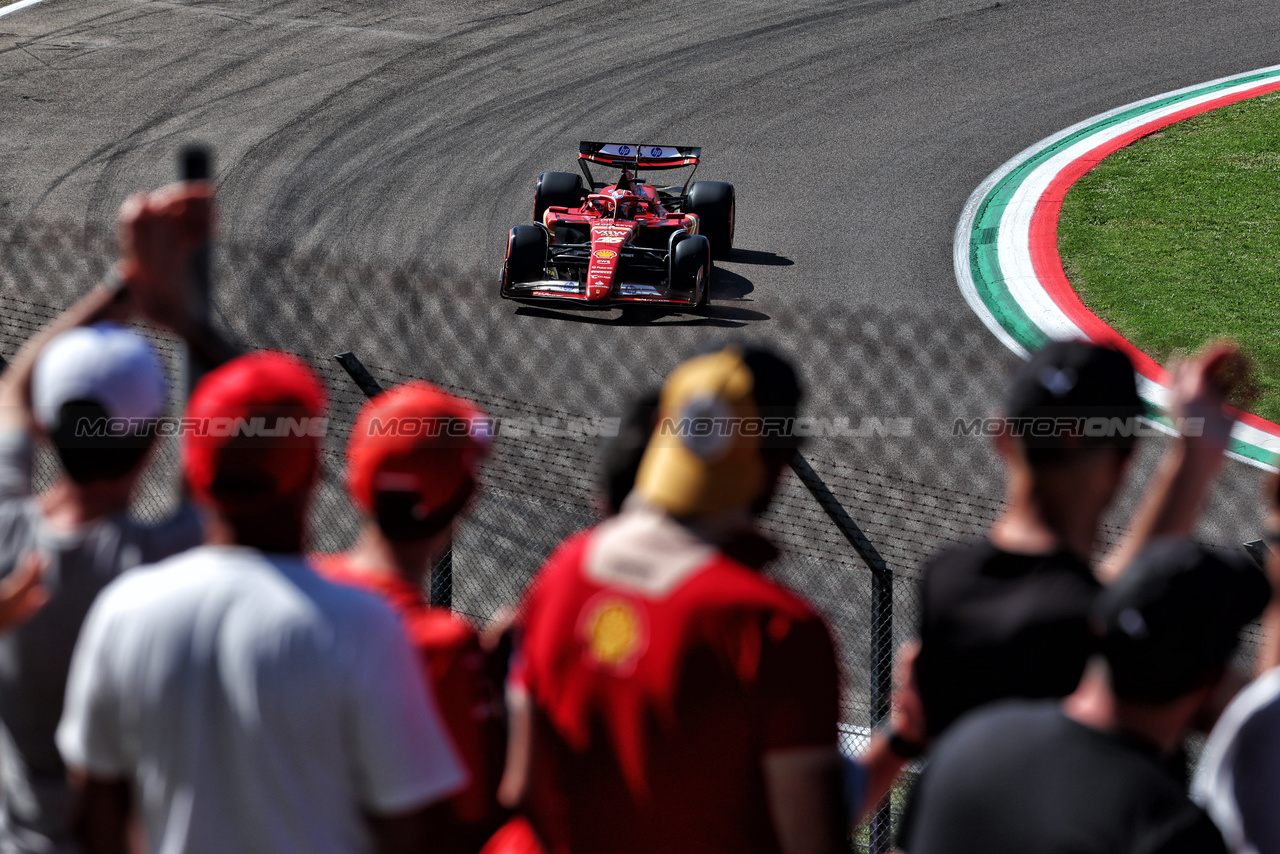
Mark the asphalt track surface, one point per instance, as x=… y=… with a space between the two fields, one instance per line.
x=399 y=132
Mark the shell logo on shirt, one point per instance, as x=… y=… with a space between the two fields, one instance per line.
x=613 y=632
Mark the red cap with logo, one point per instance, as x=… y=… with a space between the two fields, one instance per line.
x=420 y=443
x=256 y=428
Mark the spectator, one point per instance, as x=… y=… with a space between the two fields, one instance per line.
x=1006 y=617
x=666 y=696
x=1089 y=775
x=1235 y=781
x=59 y=548
x=250 y=704
x=410 y=483
x=867 y=777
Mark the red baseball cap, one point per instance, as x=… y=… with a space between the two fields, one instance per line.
x=254 y=432
x=416 y=440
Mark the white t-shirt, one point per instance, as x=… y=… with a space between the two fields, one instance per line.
x=1239 y=773
x=255 y=706
x=35 y=657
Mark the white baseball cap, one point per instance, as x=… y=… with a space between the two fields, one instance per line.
x=107 y=363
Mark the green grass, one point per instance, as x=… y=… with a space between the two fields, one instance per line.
x=1175 y=239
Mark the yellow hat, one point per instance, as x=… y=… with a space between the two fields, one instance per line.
x=700 y=460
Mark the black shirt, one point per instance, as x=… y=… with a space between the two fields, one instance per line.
x=996 y=625
x=1023 y=778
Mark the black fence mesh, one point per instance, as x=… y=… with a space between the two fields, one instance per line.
x=887 y=389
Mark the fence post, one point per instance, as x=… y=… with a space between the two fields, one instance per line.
x=881 y=620
x=442 y=580
x=195 y=163
x=359 y=374
x=441 y=592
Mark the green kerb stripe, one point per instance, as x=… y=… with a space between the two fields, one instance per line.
x=988 y=279
x=1235 y=446
x=984 y=263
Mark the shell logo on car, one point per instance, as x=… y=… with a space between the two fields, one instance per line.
x=606 y=254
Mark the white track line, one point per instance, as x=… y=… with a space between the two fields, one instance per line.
x=1014 y=242
x=1013 y=239
x=13 y=7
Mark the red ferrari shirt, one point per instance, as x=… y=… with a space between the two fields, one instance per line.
x=661 y=672
x=455 y=664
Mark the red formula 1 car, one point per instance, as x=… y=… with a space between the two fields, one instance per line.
x=603 y=245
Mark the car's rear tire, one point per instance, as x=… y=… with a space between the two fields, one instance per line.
x=713 y=202
x=526 y=254
x=556 y=189
x=690 y=260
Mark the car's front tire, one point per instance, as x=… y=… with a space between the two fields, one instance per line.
x=691 y=268
x=526 y=255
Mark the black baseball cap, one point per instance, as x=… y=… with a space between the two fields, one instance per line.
x=1174 y=617
x=1074 y=380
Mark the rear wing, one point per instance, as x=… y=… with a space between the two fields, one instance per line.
x=625 y=155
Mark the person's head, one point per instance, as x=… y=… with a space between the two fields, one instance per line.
x=412 y=458
x=1071 y=420
x=599 y=204
x=620 y=455
x=725 y=432
x=1169 y=624
x=97 y=392
x=253 y=453
x=626 y=204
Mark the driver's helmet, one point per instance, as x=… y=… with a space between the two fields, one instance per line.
x=599 y=206
x=627 y=204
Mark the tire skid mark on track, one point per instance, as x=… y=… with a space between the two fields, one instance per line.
x=281 y=20
x=523 y=108
x=79 y=28
x=180 y=117
x=410 y=132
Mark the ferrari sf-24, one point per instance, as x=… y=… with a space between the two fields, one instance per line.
x=596 y=244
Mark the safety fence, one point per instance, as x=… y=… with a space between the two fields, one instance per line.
x=897 y=468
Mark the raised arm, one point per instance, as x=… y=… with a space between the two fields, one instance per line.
x=106 y=302
x=156 y=233
x=1173 y=500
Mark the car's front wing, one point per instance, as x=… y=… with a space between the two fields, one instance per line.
x=621 y=294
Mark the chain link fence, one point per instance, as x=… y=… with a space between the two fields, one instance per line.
x=889 y=393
